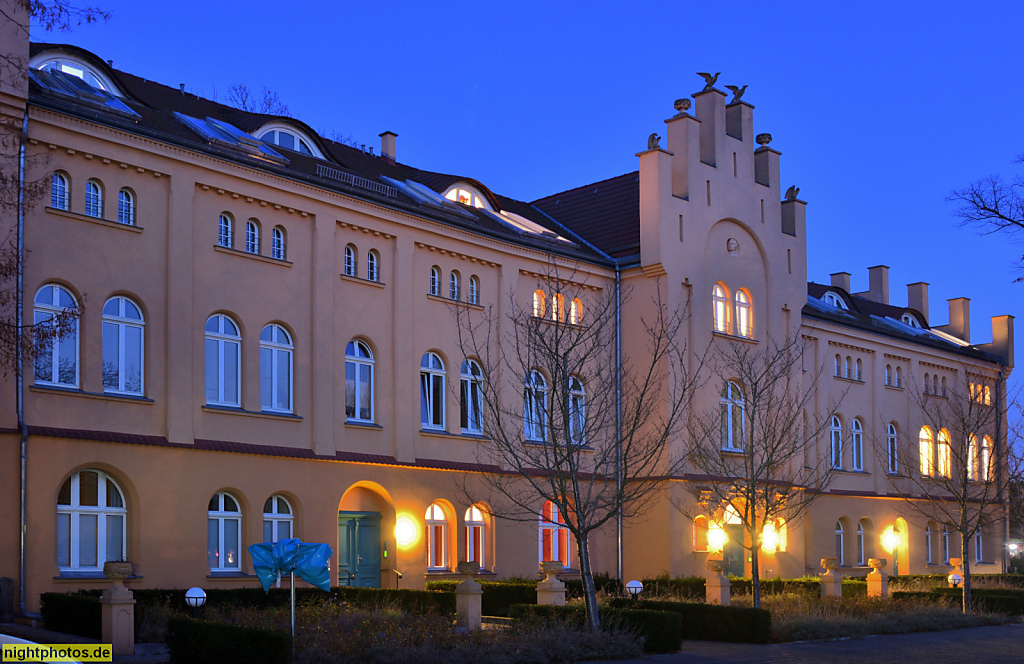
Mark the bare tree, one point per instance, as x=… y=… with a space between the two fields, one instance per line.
x=994 y=205
x=956 y=474
x=564 y=424
x=756 y=448
x=266 y=102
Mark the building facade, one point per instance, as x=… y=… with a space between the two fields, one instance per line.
x=266 y=346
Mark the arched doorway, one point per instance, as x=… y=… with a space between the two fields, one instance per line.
x=366 y=517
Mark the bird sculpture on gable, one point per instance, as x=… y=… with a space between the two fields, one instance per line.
x=709 y=80
x=792 y=193
x=652 y=141
x=737 y=93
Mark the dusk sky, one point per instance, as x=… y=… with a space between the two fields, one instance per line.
x=879 y=109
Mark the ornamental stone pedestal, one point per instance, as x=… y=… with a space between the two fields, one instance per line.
x=117 y=608
x=831 y=582
x=717 y=586
x=878 y=580
x=468 y=597
x=551 y=590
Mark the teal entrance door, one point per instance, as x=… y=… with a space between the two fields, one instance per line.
x=359 y=549
x=733 y=553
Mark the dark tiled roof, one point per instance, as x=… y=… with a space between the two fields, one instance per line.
x=606 y=213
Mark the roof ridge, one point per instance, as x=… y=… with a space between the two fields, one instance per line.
x=584 y=186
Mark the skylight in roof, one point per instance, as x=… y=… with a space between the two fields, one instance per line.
x=225 y=134
x=56 y=80
x=524 y=225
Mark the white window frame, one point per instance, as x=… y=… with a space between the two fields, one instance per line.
x=471 y=397
x=986 y=458
x=720 y=309
x=437 y=529
x=275 y=517
x=435 y=281
x=351 y=261
x=74 y=513
x=732 y=399
x=432 y=379
x=979 y=546
x=454 y=289
x=44 y=311
x=225 y=341
x=926 y=450
x=126 y=207
x=892 y=441
x=373 y=265
x=577 y=411
x=252 y=237
x=559 y=535
x=122 y=323
x=94 y=198
x=277 y=245
x=928 y=544
x=280 y=353
x=744 y=318
x=225 y=230
x=857 y=443
x=840 y=543
x=836 y=437
x=59 y=188
x=535 y=407
x=476 y=522
x=474 y=289
x=834 y=299
x=861 y=560
x=224 y=519
x=358 y=356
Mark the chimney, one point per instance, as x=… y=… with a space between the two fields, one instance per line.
x=878 y=284
x=959 y=318
x=841 y=280
x=387 y=145
x=917 y=298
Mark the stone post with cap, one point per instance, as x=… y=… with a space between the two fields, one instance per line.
x=717 y=586
x=117 y=609
x=831 y=582
x=468 y=597
x=878 y=580
x=551 y=590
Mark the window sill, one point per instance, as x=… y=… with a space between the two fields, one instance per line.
x=850 y=471
x=102 y=396
x=360 y=280
x=442 y=433
x=544 y=443
x=458 y=303
x=95 y=220
x=78 y=577
x=733 y=450
x=733 y=337
x=231 y=410
x=231 y=251
x=848 y=379
x=899 y=388
x=445 y=574
x=356 y=424
x=230 y=576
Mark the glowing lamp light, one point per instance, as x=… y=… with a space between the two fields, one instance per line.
x=769 y=539
x=716 y=537
x=405 y=531
x=891 y=539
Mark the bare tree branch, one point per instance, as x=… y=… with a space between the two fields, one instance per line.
x=266 y=102
x=993 y=205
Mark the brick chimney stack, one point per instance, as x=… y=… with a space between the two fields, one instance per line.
x=387 y=145
x=841 y=280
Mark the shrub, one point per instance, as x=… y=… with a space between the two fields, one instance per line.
x=195 y=642
x=710 y=622
x=73 y=613
x=996 y=600
x=661 y=630
x=498 y=595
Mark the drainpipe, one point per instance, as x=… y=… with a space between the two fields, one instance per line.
x=20 y=388
x=1002 y=457
x=618 y=412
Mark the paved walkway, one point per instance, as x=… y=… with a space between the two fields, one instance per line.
x=1003 y=644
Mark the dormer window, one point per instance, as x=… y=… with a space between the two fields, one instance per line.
x=835 y=300
x=467 y=196
x=289 y=139
x=62 y=62
x=911 y=320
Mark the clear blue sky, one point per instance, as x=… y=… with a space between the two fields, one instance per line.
x=880 y=109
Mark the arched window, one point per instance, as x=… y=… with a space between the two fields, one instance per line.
x=437 y=537
x=892 y=443
x=474 y=290
x=926 y=449
x=431 y=391
x=277 y=245
x=732 y=412
x=979 y=548
x=554 y=536
x=435 y=281
x=453 y=285
x=840 y=543
x=290 y=140
x=576 y=311
x=927 y=383
x=277 y=519
x=888 y=374
x=860 y=545
x=126 y=207
x=471 y=396
x=835 y=300
x=836 y=434
x=358 y=381
x=847 y=367
x=373 y=265
x=225 y=232
x=744 y=321
x=535 y=407
x=538 y=304
x=935 y=385
x=252 y=236
x=860 y=367
x=94 y=199
x=224 y=534
x=899 y=376
x=945 y=545
x=973 y=470
x=476 y=535
x=56 y=359
x=466 y=197
x=720 y=309
x=123 y=351
x=577 y=411
x=276 y=351
x=223 y=361
x=911 y=320
x=700 y=533
x=838 y=368
x=928 y=544
x=986 y=459
x=557 y=307
x=350 y=260
x=59 y=191
x=91 y=518
x=943 y=386
x=857 y=444
x=944 y=454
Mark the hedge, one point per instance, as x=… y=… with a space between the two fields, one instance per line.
x=711 y=622
x=660 y=630
x=693 y=586
x=996 y=600
x=72 y=613
x=498 y=595
x=196 y=642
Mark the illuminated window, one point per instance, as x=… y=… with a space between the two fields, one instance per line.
x=476 y=535
x=836 y=435
x=466 y=196
x=720 y=309
x=576 y=311
x=94 y=199
x=432 y=391
x=700 y=533
x=732 y=415
x=981 y=394
x=252 y=236
x=373 y=265
x=126 y=207
x=277 y=519
x=276 y=352
x=944 y=454
x=223 y=361
x=453 y=285
x=535 y=407
x=59 y=191
x=56 y=359
x=557 y=307
x=225 y=235
x=437 y=537
x=892 y=443
x=122 y=346
x=973 y=471
x=277 y=244
x=744 y=324
x=471 y=396
x=224 y=534
x=539 y=307
x=840 y=544
x=986 y=459
x=926 y=449
x=474 y=290
x=554 y=536
x=358 y=381
x=350 y=260
x=79 y=70
x=857 y=444
x=91 y=522
x=577 y=411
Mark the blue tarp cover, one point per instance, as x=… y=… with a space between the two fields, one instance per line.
x=310 y=562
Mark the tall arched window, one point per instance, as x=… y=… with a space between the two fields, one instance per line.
x=861 y=561
x=373 y=265
x=892 y=443
x=123 y=341
x=278 y=519
x=476 y=535
x=986 y=459
x=432 y=391
x=576 y=311
x=435 y=281
x=860 y=370
x=276 y=351
x=56 y=360
x=972 y=458
x=554 y=536
x=945 y=545
x=926 y=449
x=732 y=413
x=91 y=518
x=888 y=374
x=935 y=385
x=944 y=454
x=474 y=289
x=539 y=306
x=225 y=232
x=59 y=191
x=838 y=366
x=720 y=309
x=744 y=320
x=252 y=237
x=857 y=444
x=471 y=396
x=899 y=376
x=277 y=245
x=928 y=544
x=94 y=199
x=437 y=537
x=840 y=543
x=350 y=260
x=943 y=393
x=836 y=435
x=979 y=548
x=224 y=534
x=700 y=533
x=453 y=285
x=223 y=361
x=557 y=307
x=577 y=411
x=927 y=383
x=535 y=407
x=848 y=367
x=126 y=207
x=358 y=381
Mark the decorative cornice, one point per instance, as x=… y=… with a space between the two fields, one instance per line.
x=850 y=346
x=357 y=227
x=897 y=357
x=563 y=282
x=937 y=366
x=252 y=199
x=654 y=270
x=456 y=254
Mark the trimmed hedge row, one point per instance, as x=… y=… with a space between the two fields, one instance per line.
x=661 y=630
x=498 y=595
x=196 y=642
x=711 y=622
x=72 y=613
x=693 y=586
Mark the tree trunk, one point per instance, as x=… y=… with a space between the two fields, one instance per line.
x=965 y=546
x=589 y=591
x=755 y=571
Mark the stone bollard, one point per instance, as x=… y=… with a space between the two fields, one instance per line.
x=468 y=597
x=551 y=590
x=117 y=608
x=717 y=586
x=878 y=580
x=831 y=582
